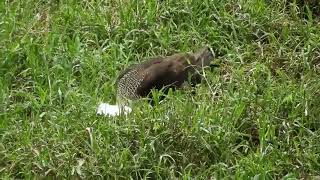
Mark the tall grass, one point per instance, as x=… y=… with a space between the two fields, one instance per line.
x=59 y=59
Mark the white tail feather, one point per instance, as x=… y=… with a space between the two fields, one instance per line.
x=112 y=110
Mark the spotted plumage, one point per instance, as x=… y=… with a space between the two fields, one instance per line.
x=160 y=72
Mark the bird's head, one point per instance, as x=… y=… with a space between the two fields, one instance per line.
x=204 y=56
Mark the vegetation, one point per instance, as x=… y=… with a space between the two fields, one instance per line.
x=255 y=116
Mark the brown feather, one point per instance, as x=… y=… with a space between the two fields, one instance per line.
x=162 y=72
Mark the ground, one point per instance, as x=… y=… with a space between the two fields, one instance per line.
x=256 y=115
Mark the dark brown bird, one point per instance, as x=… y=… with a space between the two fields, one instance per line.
x=162 y=73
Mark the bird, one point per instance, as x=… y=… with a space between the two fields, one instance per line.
x=161 y=73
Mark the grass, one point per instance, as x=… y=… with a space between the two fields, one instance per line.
x=59 y=59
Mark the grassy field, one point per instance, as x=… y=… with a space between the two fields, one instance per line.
x=256 y=116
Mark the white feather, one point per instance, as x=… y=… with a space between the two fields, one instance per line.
x=112 y=110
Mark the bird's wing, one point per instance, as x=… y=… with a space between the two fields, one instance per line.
x=144 y=65
x=155 y=76
x=151 y=61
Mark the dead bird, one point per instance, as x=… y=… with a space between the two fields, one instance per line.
x=161 y=73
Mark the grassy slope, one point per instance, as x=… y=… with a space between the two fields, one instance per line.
x=58 y=60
